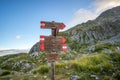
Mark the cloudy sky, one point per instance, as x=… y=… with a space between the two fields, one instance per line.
x=20 y=19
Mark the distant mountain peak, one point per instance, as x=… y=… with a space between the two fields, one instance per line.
x=111 y=12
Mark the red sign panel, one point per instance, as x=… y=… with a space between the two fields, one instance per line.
x=52 y=25
x=52 y=39
x=52 y=43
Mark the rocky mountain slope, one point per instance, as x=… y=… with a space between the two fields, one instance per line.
x=104 y=29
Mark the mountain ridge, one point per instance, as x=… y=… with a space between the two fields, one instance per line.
x=104 y=29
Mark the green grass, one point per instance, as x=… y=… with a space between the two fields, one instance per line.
x=98 y=64
x=42 y=69
x=89 y=63
x=102 y=65
x=18 y=62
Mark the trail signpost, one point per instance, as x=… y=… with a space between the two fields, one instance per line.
x=52 y=43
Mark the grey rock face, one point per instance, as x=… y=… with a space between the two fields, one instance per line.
x=107 y=51
x=91 y=48
x=23 y=65
x=118 y=49
x=1 y=71
x=35 y=48
x=75 y=78
x=34 y=54
x=95 y=76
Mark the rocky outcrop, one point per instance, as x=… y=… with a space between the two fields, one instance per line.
x=35 y=49
x=75 y=78
x=23 y=65
x=17 y=62
x=104 y=27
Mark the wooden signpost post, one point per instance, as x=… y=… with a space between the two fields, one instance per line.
x=52 y=43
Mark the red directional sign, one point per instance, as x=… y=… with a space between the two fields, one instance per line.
x=52 y=39
x=50 y=25
x=52 y=43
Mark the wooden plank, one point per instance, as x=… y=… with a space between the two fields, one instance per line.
x=50 y=25
x=53 y=47
x=53 y=57
x=52 y=43
x=52 y=39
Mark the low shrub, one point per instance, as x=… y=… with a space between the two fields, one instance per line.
x=42 y=69
x=5 y=72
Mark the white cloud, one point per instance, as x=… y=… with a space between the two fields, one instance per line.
x=18 y=36
x=97 y=7
x=82 y=15
x=102 y=5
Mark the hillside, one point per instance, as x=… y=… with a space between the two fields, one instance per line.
x=105 y=29
x=78 y=67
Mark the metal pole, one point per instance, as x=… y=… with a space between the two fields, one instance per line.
x=52 y=71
